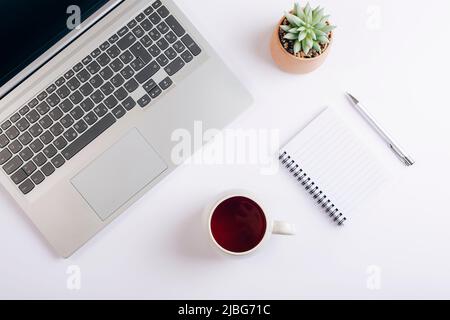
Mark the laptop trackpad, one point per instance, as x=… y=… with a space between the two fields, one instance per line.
x=119 y=174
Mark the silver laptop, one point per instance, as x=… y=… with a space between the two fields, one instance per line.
x=87 y=110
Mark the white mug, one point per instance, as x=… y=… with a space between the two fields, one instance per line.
x=272 y=226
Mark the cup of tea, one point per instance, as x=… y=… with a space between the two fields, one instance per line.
x=238 y=224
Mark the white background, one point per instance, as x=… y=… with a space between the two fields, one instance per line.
x=397 y=62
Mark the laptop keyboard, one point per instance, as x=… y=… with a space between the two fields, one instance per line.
x=90 y=97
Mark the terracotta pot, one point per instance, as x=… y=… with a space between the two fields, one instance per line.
x=290 y=63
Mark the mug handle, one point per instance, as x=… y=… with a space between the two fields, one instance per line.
x=283 y=228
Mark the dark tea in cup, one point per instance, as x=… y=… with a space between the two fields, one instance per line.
x=238 y=224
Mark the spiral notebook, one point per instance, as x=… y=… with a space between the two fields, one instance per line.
x=335 y=168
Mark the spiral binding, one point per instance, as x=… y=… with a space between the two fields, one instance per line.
x=318 y=195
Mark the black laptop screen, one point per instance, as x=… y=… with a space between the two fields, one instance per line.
x=29 y=27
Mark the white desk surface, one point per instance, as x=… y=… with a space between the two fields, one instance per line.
x=397 y=63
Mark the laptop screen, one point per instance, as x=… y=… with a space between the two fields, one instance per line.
x=29 y=28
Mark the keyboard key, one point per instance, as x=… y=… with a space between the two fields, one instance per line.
x=80 y=126
x=78 y=67
x=162 y=44
x=76 y=97
x=126 y=41
x=43 y=108
x=171 y=53
x=86 y=89
x=22 y=124
x=179 y=46
x=138 y=31
x=40 y=159
x=105 y=45
x=51 y=89
x=146 y=25
x=154 y=51
x=38 y=177
x=97 y=96
x=5 y=155
x=65 y=106
x=126 y=57
x=83 y=75
x=149 y=85
x=97 y=129
x=26 y=187
x=139 y=51
x=155 y=18
x=46 y=122
x=148 y=11
x=163 y=27
x=60 y=81
x=131 y=85
x=117 y=80
x=106 y=73
x=24 y=110
x=116 y=65
x=63 y=92
x=174 y=66
x=129 y=103
x=93 y=67
x=155 y=92
x=26 y=154
x=87 y=60
x=187 y=56
x=13 y=165
x=132 y=24
x=140 y=17
x=148 y=72
x=36 y=146
x=19 y=176
x=15 y=117
x=154 y=34
x=118 y=112
x=57 y=129
x=6 y=125
x=12 y=133
x=33 y=103
x=171 y=37
x=104 y=59
x=157 y=4
x=122 y=31
x=58 y=161
x=73 y=83
x=32 y=116
x=145 y=100
x=163 y=12
x=60 y=143
x=56 y=113
x=48 y=169
x=50 y=151
x=69 y=74
x=70 y=135
x=192 y=46
x=87 y=105
x=175 y=26
x=166 y=83
x=3 y=141
x=137 y=64
x=25 y=138
x=111 y=102
x=90 y=118
x=96 y=52
x=100 y=110
x=121 y=94
x=46 y=137
x=113 y=38
x=42 y=95
x=96 y=81
x=15 y=146
x=127 y=72
x=107 y=88
x=77 y=113
x=162 y=60
x=146 y=41
x=36 y=130
x=29 y=168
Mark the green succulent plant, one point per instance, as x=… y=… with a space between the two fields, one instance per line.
x=308 y=28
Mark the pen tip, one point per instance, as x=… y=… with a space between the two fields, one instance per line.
x=352 y=98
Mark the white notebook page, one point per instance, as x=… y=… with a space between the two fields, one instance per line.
x=337 y=161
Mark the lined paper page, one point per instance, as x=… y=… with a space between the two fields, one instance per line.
x=337 y=161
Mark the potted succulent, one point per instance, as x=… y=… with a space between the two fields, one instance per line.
x=302 y=39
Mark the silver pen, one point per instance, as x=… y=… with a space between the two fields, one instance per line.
x=407 y=160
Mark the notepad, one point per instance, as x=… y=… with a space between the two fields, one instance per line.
x=333 y=165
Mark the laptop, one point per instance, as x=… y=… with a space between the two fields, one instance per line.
x=91 y=94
